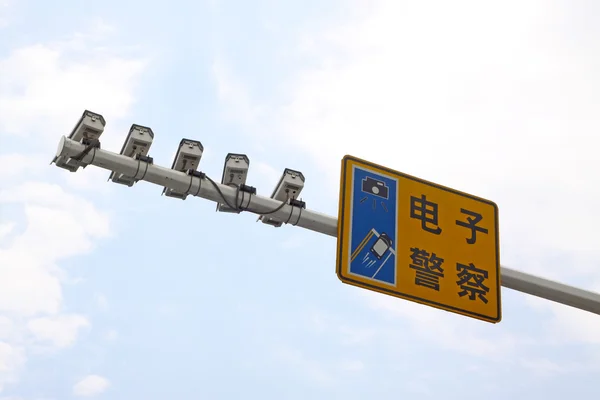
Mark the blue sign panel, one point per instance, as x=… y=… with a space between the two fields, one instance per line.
x=373 y=226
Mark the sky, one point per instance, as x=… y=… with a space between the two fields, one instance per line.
x=112 y=292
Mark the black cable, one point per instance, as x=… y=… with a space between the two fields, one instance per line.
x=91 y=145
x=93 y=157
x=238 y=203
x=295 y=204
x=199 y=186
x=190 y=185
x=239 y=206
x=290 y=216
x=220 y=193
x=248 y=203
x=137 y=170
x=145 y=171
x=283 y=203
x=237 y=197
x=299 y=216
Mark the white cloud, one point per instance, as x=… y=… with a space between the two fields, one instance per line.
x=6 y=327
x=16 y=164
x=44 y=87
x=12 y=359
x=59 y=331
x=92 y=180
x=27 y=286
x=5 y=13
x=6 y=229
x=91 y=385
x=41 y=80
x=58 y=225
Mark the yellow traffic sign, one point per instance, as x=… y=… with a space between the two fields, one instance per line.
x=416 y=240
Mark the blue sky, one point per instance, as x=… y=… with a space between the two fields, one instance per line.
x=118 y=293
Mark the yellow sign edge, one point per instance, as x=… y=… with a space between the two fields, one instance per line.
x=340 y=242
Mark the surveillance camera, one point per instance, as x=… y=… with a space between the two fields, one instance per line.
x=235 y=172
x=89 y=127
x=137 y=144
x=138 y=141
x=187 y=157
x=289 y=187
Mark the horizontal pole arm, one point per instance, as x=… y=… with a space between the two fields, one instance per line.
x=183 y=183
x=551 y=290
x=315 y=221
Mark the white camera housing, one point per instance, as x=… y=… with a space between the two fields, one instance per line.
x=89 y=127
x=138 y=142
x=235 y=172
x=289 y=187
x=187 y=157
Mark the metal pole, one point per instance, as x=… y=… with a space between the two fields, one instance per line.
x=194 y=186
x=315 y=221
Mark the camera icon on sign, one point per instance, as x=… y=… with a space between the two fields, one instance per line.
x=375 y=187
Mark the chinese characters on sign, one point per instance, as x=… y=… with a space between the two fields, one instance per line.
x=428 y=267
x=419 y=241
x=470 y=279
x=472 y=220
x=427 y=212
x=471 y=283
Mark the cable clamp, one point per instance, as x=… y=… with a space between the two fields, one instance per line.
x=146 y=159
